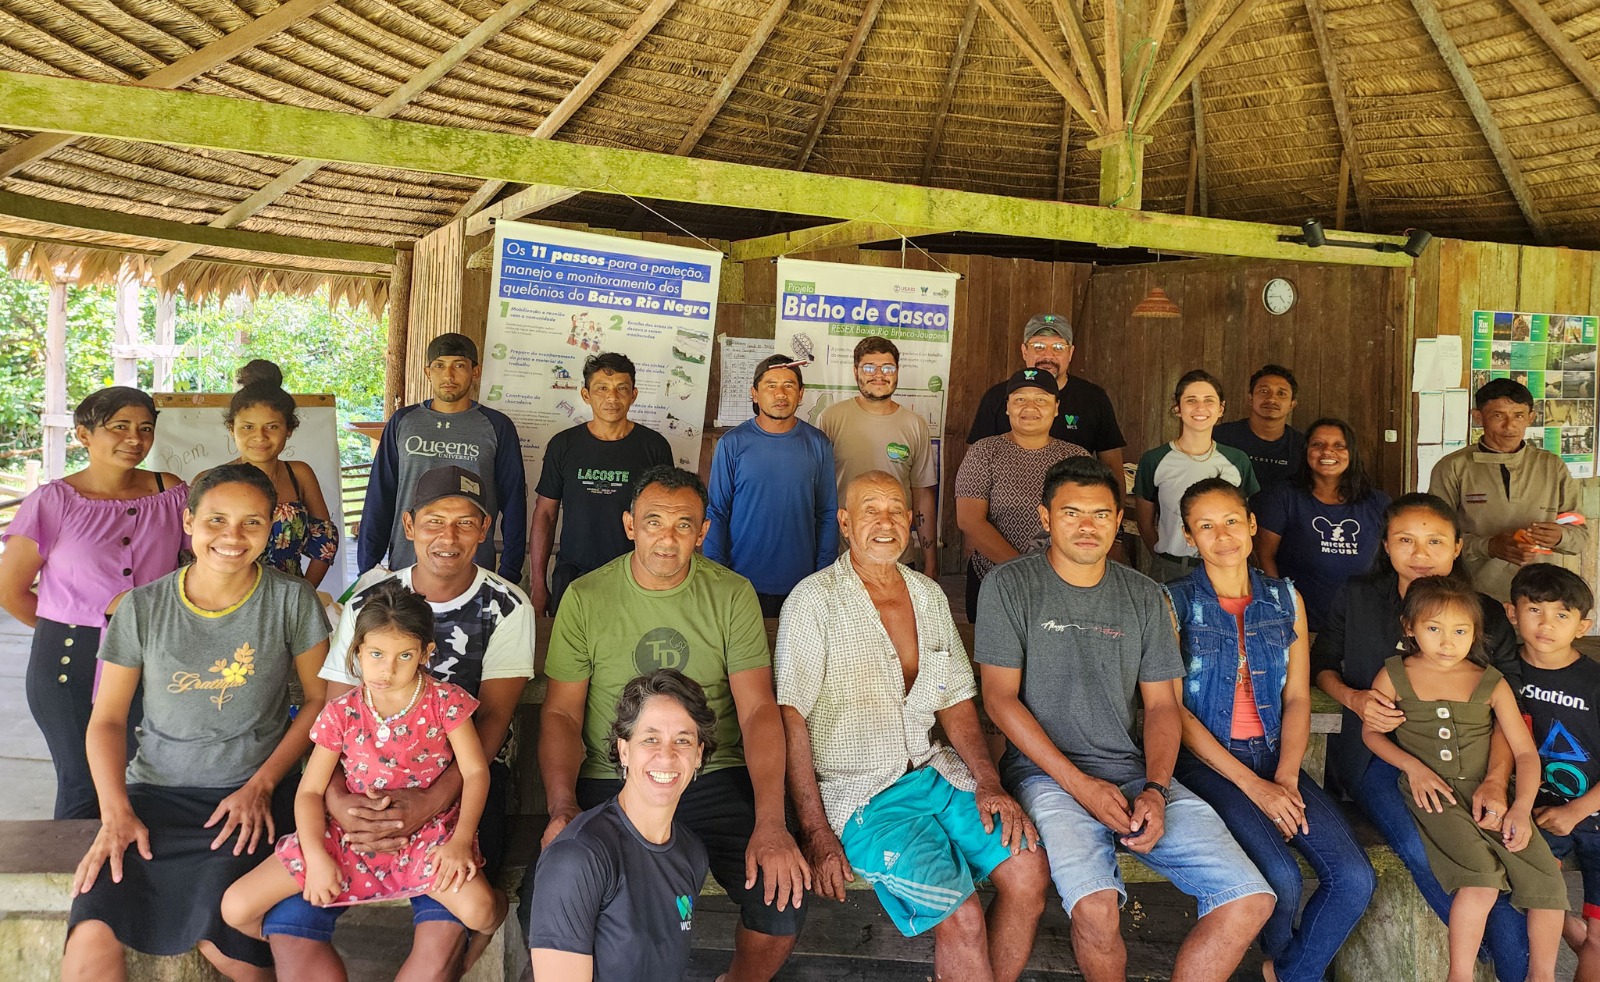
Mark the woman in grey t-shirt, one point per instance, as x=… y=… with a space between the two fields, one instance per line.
x=204 y=796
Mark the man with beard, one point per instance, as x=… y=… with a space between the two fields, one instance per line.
x=1277 y=451
x=448 y=429
x=1084 y=415
x=773 y=499
x=589 y=470
x=872 y=432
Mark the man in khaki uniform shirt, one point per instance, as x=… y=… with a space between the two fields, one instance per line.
x=1509 y=494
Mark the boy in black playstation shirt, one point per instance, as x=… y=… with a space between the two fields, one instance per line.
x=1560 y=699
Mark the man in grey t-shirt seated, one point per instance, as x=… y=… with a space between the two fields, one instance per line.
x=1088 y=641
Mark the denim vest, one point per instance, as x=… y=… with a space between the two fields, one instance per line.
x=1209 y=637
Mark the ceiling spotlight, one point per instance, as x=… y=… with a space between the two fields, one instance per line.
x=1311 y=233
x=1416 y=241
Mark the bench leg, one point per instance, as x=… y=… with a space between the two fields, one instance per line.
x=1400 y=937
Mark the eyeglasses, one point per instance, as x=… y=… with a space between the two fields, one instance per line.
x=878 y=369
x=1039 y=347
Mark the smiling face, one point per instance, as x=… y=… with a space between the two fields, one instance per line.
x=1547 y=627
x=260 y=432
x=387 y=659
x=1444 y=635
x=1272 y=399
x=229 y=527
x=877 y=376
x=1046 y=351
x=1327 y=453
x=875 y=520
x=446 y=534
x=610 y=395
x=1031 y=411
x=777 y=395
x=1420 y=543
x=1220 y=526
x=123 y=441
x=666 y=526
x=663 y=753
x=1199 y=407
x=451 y=377
x=1504 y=424
x=1082 y=521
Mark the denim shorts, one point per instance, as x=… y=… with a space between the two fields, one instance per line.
x=1196 y=852
x=1582 y=845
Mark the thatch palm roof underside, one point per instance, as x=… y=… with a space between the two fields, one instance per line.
x=1470 y=118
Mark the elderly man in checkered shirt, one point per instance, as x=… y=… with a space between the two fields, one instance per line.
x=867 y=660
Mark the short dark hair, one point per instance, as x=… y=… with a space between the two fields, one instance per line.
x=1200 y=489
x=262 y=394
x=675 y=685
x=1428 y=595
x=1547 y=583
x=99 y=406
x=1354 y=484
x=390 y=605
x=1266 y=371
x=1502 y=388
x=669 y=478
x=770 y=362
x=614 y=362
x=1083 y=471
x=232 y=474
x=875 y=345
x=258 y=371
x=1190 y=378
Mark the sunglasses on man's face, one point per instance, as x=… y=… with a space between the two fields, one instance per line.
x=878 y=369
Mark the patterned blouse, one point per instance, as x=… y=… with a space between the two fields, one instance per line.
x=296 y=532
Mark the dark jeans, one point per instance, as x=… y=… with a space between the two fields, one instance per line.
x=1345 y=879
x=1380 y=797
x=771 y=604
x=60 y=690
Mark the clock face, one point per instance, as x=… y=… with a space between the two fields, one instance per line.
x=1278 y=296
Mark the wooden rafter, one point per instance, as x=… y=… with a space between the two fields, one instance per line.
x=1069 y=15
x=822 y=237
x=520 y=205
x=49 y=103
x=869 y=16
x=948 y=92
x=1114 y=54
x=1157 y=105
x=1025 y=32
x=730 y=81
x=1156 y=33
x=50 y=240
x=1564 y=50
x=1194 y=32
x=188 y=67
x=1509 y=168
x=582 y=92
x=1062 y=153
x=392 y=104
x=1341 y=111
x=1197 y=114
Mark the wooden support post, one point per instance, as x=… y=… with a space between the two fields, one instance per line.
x=166 y=334
x=1121 y=169
x=125 y=365
x=1063 y=153
x=394 y=354
x=1194 y=178
x=1343 y=196
x=57 y=424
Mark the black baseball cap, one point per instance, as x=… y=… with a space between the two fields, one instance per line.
x=451 y=481
x=1033 y=378
x=452 y=345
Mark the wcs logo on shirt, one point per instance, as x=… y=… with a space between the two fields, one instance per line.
x=1070 y=419
x=685 y=912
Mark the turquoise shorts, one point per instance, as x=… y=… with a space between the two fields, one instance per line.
x=921 y=844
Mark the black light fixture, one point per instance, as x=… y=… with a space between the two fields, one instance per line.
x=1416 y=241
x=1312 y=236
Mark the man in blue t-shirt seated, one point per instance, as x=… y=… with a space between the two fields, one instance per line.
x=1277 y=451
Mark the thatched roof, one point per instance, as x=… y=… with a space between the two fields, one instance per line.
x=1265 y=136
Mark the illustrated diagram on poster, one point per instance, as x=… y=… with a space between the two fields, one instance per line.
x=559 y=297
x=1554 y=356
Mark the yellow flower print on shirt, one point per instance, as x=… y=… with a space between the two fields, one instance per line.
x=234 y=673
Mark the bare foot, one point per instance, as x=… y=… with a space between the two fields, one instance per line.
x=1269 y=971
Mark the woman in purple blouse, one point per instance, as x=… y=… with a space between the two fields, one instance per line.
x=87 y=537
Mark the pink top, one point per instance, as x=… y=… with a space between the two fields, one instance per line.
x=96 y=549
x=1246 y=717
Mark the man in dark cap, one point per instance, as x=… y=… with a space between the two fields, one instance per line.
x=448 y=429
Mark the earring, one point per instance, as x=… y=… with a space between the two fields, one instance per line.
x=624 y=773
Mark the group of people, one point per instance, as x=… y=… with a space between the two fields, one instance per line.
x=1166 y=716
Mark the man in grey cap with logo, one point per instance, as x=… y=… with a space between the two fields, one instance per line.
x=450 y=428
x=1083 y=415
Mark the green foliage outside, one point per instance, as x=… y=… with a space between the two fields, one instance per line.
x=319 y=349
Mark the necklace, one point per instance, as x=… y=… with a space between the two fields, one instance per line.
x=1211 y=451
x=383 y=721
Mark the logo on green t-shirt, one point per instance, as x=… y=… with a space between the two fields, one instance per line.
x=663 y=647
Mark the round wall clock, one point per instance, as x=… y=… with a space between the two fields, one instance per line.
x=1278 y=296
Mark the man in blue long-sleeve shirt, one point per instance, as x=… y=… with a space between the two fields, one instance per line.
x=448 y=429
x=774 y=505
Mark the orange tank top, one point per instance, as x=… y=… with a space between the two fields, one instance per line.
x=1246 y=718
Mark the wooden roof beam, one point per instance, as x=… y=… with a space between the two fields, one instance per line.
x=1197 y=113
x=1026 y=34
x=1194 y=32
x=128 y=251
x=188 y=67
x=1509 y=168
x=1341 y=110
x=582 y=92
x=1069 y=15
x=48 y=103
x=526 y=202
x=199 y=236
x=869 y=16
x=1559 y=45
x=948 y=92
x=823 y=237
x=1158 y=102
x=730 y=81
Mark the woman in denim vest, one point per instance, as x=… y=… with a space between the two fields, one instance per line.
x=1246 y=721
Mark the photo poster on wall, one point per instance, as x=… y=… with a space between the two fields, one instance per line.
x=190 y=438
x=1554 y=356
x=559 y=297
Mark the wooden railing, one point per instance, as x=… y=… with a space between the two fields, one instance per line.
x=353 y=494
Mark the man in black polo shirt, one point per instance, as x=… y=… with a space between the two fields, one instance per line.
x=589 y=470
x=1085 y=415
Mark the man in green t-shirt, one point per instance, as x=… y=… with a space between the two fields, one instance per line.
x=663 y=606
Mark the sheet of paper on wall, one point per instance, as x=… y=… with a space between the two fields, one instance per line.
x=738 y=369
x=1428 y=456
x=1447 y=360
x=1457 y=415
x=1430 y=417
x=1422 y=359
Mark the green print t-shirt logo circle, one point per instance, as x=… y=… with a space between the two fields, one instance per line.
x=662 y=647
x=898 y=452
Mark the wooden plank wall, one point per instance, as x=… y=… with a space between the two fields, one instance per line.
x=1340 y=339
x=437 y=299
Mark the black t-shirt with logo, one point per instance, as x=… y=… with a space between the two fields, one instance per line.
x=601 y=889
x=1274 y=461
x=1562 y=707
x=593 y=480
x=1085 y=418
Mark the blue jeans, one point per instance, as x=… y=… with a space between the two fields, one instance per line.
x=1506 y=935
x=1345 y=880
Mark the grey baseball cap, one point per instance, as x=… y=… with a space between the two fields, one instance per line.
x=1047 y=324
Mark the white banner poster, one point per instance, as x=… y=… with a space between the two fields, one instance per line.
x=559 y=297
x=825 y=309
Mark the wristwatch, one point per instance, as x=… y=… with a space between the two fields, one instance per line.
x=1160 y=789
